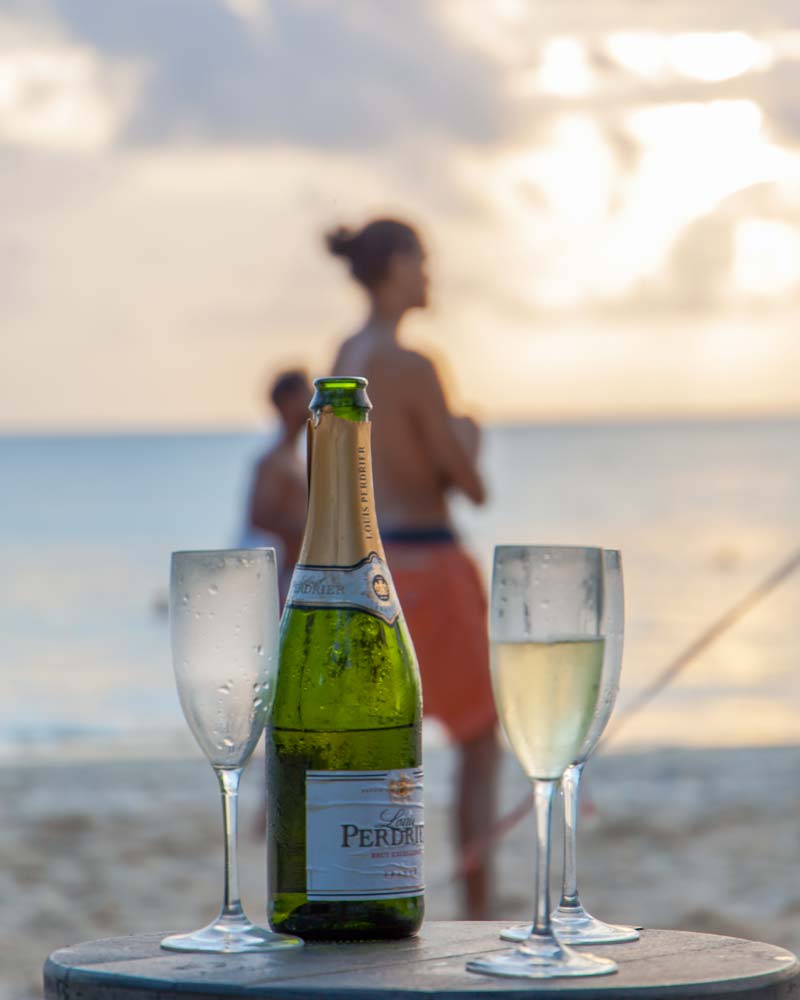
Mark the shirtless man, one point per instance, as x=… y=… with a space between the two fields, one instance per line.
x=420 y=453
x=279 y=494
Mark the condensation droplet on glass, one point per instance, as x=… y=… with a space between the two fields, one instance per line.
x=213 y=589
x=259 y=649
x=185 y=599
x=228 y=742
x=197 y=614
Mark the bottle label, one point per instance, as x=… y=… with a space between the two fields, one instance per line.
x=366 y=586
x=364 y=834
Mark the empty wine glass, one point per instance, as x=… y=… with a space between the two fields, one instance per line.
x=224 y=626
x=571 y=922
x=547 y=640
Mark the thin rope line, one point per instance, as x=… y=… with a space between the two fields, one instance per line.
x=721 y=625
x=475 y=851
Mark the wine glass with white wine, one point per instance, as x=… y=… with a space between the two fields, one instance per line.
x=571 y=922
x=547 y=642
x=224 y=627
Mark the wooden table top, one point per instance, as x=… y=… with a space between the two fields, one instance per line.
x=431 y=966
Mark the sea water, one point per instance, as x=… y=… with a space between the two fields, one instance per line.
x=701 y=511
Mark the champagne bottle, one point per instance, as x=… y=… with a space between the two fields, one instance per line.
x=343 y=746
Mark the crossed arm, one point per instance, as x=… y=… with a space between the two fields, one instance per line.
x=451 y=441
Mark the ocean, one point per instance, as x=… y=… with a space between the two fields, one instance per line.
x=701 y=512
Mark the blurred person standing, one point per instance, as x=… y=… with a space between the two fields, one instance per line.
x=279 y=492
x=421 y=452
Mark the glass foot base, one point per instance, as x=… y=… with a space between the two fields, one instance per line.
x=542 y=958
x=230 y=936
x=574 y=925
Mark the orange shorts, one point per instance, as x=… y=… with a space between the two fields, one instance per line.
x=444 y=604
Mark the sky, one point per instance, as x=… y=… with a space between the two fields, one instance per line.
x=610 y=195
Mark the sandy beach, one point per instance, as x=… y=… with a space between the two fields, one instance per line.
x=691 y=839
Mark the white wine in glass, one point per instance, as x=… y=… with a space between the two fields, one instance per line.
x=546 y=693
x=547 y=656
x=571 y=922
x=224 y=628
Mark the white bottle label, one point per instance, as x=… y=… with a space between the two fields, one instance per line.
x=364 y=834
x=366 y=586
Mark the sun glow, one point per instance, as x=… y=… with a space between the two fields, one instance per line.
x=709 y=56
x=558 y=170
x=546 y=197
x=713 y=56
x=586 y=230
x=766 y=257
x=564 y=69
x=699 y=153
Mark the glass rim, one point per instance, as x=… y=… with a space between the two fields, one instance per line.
x=267 y=550
x=551 y=548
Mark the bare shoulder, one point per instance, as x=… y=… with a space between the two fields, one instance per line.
x=274 y=464
x=412 y=362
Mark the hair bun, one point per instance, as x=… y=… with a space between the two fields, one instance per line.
x=341 y=241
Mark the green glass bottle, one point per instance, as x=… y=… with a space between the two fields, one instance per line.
x=343 y=746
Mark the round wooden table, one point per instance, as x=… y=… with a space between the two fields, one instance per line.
x=661 y=964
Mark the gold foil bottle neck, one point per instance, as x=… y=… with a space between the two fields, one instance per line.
x=341 y=528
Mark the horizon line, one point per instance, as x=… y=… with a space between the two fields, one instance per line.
x=578 y=420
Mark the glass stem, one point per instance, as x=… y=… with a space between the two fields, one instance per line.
x=543 y=790
x=570 y=787
x=229 y=786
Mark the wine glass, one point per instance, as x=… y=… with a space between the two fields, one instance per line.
x=571 y=922
x=224 y=626
x=547 y=661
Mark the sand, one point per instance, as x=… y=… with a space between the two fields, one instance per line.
x=691 y=839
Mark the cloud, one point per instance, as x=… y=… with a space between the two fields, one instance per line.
x=61 y=98
x=700 y=271
x=57 y=94
x=316 y=73
x=159 y=255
